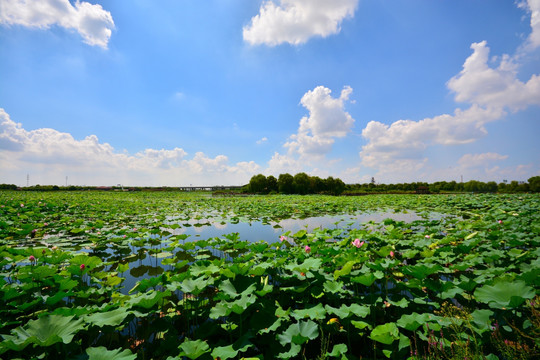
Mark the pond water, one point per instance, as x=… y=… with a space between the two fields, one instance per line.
x=144 y=265
x=270 y=232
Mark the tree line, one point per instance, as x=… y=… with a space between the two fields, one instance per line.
x=473 y=186
x=300 y=183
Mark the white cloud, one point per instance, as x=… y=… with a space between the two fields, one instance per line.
x=480 y=160
x=296 y=21
x=49 y=155
x=281 y=164
x=480 y=84
x=91 y=21
x=327 y=120
x=262 y=141
x=405 y=144
x=533 y=7
x=389 y=146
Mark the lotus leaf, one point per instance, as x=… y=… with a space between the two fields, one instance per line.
x=101 y=353
x=44 y=331
x=504 y=294
x=300 y=332
x=386 y=333
x=194 y=348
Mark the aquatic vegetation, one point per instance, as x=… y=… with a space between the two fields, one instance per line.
x=116 y=275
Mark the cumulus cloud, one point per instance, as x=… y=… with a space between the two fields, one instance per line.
x=91 y=21
x=327 y=120
x=533 y=7
x=46 y=153
x=476 y=160
x=296 y=21
x=490 y=91
x=262 y=140
x=283 y=163
x=390 y=145
x=480 y=84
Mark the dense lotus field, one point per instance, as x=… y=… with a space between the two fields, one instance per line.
x=97 y=275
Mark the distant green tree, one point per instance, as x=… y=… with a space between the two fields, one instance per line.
x=534 y=184
x=338 y=186
x=257 y=184
x=471 y=186
x=271 y=184
x=316 y=185
x=491 y=186
x=8 y=187
x=285 y=183
x=301 y=183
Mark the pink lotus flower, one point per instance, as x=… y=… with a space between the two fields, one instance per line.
x=308 y=249
x=54 y=247
x=22 y=205
x=32 y=258
x=391 y=254
x=500 y=221
x=282 y=238
x=82 y=266
x=358 y=243
x=427 y=236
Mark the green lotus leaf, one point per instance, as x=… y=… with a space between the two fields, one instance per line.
x=42 y=272
x=504 y=294
x=199 y=269
x=45 y=331
x=240 y=305
x=147 y=300
x=386 y=333
x=316 y=312
x=228 y=288
x=88 y=261
x=101 y=353
x=333 y=286
x=339 y=350
x=219 y=310
x=344 y=311
x=421 y=271
x=231 y=351
x=295 y=350
x=164 y=254
x=345 y=270
x=360 y=325
x=481 y=320
x=366 y=279
x=413 y=321
x=109 y=318
x=404 y=342
x=300 y=332
x=194 y=348
x=195 y=286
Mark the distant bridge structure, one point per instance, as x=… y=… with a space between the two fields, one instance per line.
x=208 y=188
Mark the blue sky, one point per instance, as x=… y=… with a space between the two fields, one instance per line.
x=213 y=92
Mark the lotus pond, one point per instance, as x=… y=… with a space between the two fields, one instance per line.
x=169 y=275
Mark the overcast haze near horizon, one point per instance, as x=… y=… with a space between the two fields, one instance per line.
x=173 y=93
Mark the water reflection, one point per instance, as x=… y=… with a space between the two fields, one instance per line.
x=270 y=231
